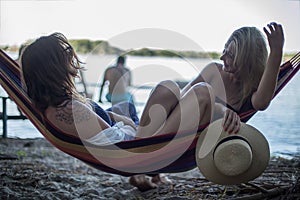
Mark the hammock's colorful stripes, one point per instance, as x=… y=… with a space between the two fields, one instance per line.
x=133 y=157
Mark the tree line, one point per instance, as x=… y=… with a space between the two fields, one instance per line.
x=84 y=46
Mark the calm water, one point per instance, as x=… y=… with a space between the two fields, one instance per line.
x=279 y=123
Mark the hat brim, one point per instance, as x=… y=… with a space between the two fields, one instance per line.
x=209 y=139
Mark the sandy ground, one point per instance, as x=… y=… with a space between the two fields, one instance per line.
x=34 y=169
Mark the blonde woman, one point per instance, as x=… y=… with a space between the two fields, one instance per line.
x=246 y=79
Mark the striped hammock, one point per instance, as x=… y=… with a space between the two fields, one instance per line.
x=167 y=153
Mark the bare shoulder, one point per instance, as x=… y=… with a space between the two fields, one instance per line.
x=70 y=112
x=76 y=118
x=109 y=70
x=213 y=66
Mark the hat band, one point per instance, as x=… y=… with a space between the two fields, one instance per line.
x=234 y=137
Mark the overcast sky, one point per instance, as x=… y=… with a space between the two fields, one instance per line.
x=207 y=22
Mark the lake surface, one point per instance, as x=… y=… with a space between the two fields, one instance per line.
x=279 y=123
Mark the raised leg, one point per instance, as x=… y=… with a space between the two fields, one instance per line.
x=159 y=106
x=194 y=108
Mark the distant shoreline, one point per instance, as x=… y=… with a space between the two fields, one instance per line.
x=85 y=46
x=211 y=55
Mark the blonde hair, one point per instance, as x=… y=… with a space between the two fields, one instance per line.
x=49 y=66
x=250 y=57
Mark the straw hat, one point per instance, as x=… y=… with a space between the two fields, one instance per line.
x=231 y=158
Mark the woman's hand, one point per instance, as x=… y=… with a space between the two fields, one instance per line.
x=126 y=120
x=231 y=121
x=275 y=36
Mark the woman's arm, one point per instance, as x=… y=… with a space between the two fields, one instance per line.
x=219 y=111
x=102 y=85
x=265 y=91
x=231 y=120
x=117 y=118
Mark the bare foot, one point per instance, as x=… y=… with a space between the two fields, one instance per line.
x=142 y=182
x=161 y=179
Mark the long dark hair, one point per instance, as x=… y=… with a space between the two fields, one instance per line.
x=49 y=66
